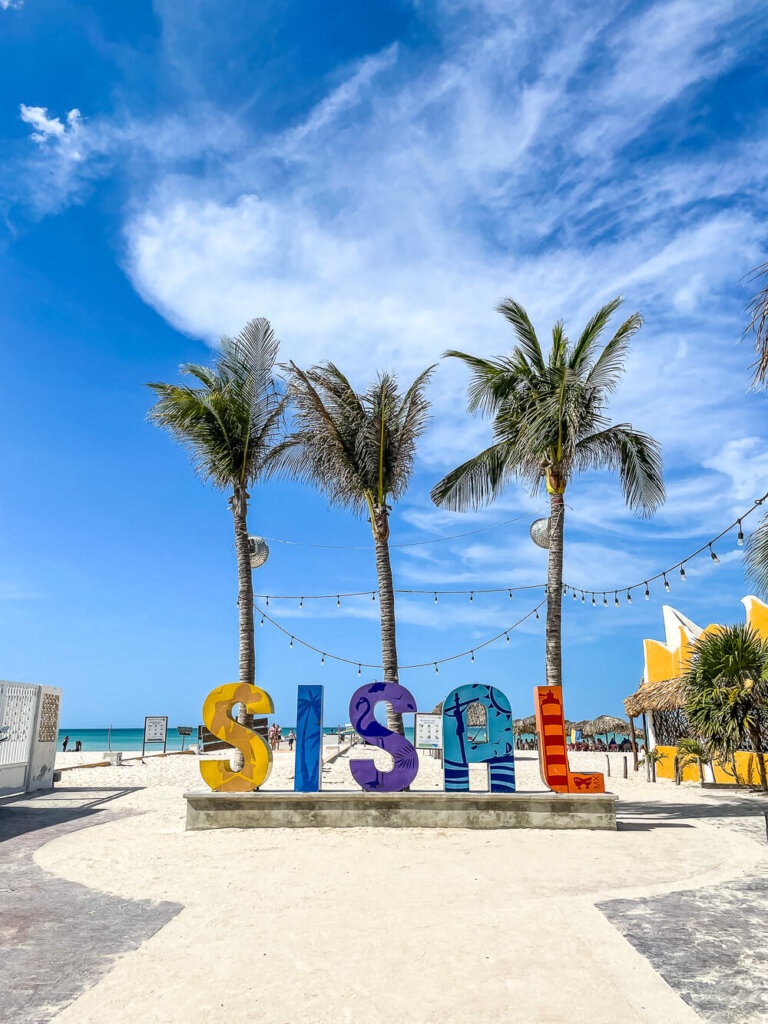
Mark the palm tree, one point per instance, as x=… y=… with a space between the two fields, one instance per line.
x=549 y=423
x=359 y=450
x=230 y=423
x=727 y=691
x=689 y=752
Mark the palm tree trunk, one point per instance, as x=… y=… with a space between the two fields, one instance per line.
x=554 y=657
x=239 y=503
x=754 y=735
x=387 y=612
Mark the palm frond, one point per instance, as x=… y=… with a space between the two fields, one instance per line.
x=637 y=458
x=756 y=557
x=526 y=335
x=475 y=482
x=584 y=347
x=758 y=322
x=610 y=364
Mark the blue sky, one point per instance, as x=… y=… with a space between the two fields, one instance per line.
x=373 y=178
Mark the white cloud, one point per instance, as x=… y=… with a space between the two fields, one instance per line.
x=7 y=5
x=50 y=127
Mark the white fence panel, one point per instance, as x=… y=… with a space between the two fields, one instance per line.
x=18 y=711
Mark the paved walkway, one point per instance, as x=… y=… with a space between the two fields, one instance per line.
x=58 y=937
x=709 y=944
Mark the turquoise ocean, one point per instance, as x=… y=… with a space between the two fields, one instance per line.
x=130 y=739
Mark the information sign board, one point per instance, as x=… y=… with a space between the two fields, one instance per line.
x=428 y=732
x=155 y=731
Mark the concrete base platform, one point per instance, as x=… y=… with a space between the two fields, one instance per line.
x=338 y=809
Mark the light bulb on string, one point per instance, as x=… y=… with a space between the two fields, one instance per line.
x=437 y=671
x=472 y=655
x=582 y=597
x=616 y=599
x=471 y=595
x=301 y=602
x=358 y=669
x=740 y=538
x=537 y=612
x=510 y=595
x=507 y=637
x=647 y=592
x=262 y=621
x=593 y=601
x=267 y=602
x=435 y=597
x=629 y=597
x=666 y=582
x=605 y=600
x=574 y=595
x=373 y=596
x=713 y=556
x=682 y=573
x=291 y=643
x=322 y=660
x=338 y=602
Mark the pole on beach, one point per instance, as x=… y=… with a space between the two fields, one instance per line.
x=625 y=766
x=109 y=737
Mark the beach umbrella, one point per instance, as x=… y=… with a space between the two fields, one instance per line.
x=603 y=725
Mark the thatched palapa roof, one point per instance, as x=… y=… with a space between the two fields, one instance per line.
x=603 y=725
x=665 y=695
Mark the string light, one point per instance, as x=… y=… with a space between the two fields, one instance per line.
x=574 y=595
x=666 y=582
x=301 y=602
x=510 y=595
x=605 y=600
x=647 y=592
x=616 y=599
x=471 y=596
x=682 y=573
x=437 y=670
x=582 y=597
x=740 y=538
x=360 y=664
x=435 y=598
x=373 y=596
x=629 y=597
x=262 y=621
x=713 y=556
x=338 y=601
x=593 y=601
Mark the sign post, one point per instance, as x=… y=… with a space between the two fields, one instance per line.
x=428 y=732
x=155 y=731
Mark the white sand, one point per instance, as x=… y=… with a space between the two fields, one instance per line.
x=421 y=925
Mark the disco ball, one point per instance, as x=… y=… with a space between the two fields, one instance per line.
x=540 y=532
x=259 y=551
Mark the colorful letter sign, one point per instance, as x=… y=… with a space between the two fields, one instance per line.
x=406 y=766
x=256 y=753
x=553 y=752
x=459 y=751
x=309 y=739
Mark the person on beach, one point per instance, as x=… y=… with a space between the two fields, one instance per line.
x=78 y=746
x=340 y=735
x=279 y=736
x=291 y=738
x=65 y=742
x=272 y=736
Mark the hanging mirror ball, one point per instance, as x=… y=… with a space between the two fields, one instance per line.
x=540 y=532
x=259 y=551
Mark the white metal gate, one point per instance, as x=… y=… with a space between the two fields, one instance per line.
x=18 y=714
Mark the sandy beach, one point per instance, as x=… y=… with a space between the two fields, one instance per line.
x=424 y=925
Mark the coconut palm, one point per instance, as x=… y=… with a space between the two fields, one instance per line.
x=690 y=752
x=550 y=423
x=726 y=691
x=229 y=421
x=359 y=449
